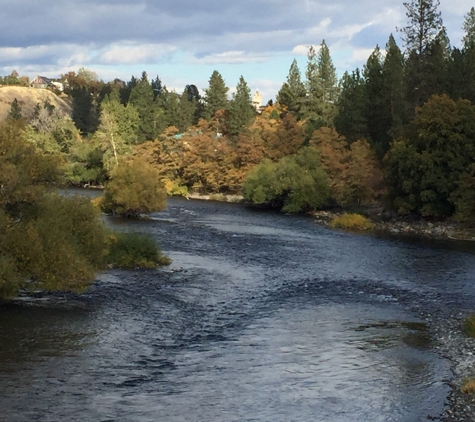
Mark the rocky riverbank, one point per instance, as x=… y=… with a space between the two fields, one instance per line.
x=416 y=227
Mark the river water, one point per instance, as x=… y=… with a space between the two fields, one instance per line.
x=261 y=317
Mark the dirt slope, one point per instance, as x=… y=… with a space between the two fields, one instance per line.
x=28 y=98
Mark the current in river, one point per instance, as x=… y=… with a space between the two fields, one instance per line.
x=261 y=317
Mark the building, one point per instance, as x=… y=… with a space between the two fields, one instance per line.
x=257 y=100
x=42 y=82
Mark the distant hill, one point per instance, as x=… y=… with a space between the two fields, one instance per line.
x=28 y=98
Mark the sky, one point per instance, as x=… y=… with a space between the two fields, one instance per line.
x=184 y=41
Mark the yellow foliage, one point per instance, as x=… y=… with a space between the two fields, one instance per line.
x=98 y=202
x=352 y=221
x=468 y=386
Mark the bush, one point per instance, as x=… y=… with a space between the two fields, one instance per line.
x=131 y=250
x=134 y=188
x=352 y=221
x=174 y=189
x=469 y=326
x=295 y=183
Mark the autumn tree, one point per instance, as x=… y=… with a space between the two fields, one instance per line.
x=288 y=137
x=353 y=170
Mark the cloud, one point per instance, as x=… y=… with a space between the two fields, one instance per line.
x=134 y=53
x=231 y=57
x=184 y=39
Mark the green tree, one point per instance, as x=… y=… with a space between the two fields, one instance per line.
x=393 y=89
x=377 y=107
x=423 y=41
x=216 y=95
x=142 y=98
x=468 y=56
x=322 y=91
x=350 y=120
x=47 y=242
x=295 y=183
x=292 y=93
x=15 y=110
x=241 y=111
x=425 y=169
x=134 y=188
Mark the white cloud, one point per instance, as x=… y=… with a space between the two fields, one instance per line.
x=134 y=53
x=231 y=57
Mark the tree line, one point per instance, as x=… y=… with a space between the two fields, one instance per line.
x=399 y=130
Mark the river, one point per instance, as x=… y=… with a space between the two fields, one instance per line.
x=261 y=317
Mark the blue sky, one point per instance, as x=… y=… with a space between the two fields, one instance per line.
x=184 y=41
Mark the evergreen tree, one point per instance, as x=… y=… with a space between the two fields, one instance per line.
x=157 y=87
x=393 y=80
x=241 y=110
x=350 y=120
x=468 y=54
x=377 y=112
x=423 y=41
x=142 y=98
x=322 y=92
x=15 y=110
x=292 y=93
x=216 y=96
x=469 y=28
x=187 y=110
x=85 y=112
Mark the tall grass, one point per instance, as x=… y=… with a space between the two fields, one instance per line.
x=132 y=250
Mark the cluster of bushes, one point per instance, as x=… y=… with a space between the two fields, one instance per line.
x=48 y=241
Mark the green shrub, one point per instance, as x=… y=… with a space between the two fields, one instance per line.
x=352 y=222
x=131 y=250
x=134 y=188
x=295 y=183
x=174 y=189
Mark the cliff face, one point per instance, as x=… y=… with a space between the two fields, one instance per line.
x=28 y=98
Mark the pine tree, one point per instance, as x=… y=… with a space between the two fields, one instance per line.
x=241 y=111
x=142 y=98
x=292 y=93
x=216 y=96
x=469 y=28
x=350 y=120
x=15 y=110
x=393 y=80
x=377 y=113
x=468 y=53
x=322 y=91
x=423 y=41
